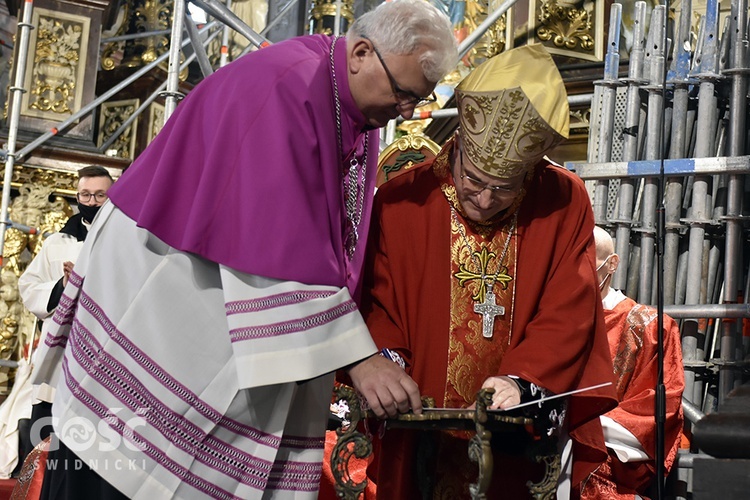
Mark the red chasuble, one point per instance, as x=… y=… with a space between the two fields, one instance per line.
x=633 y=334
x=418 y=301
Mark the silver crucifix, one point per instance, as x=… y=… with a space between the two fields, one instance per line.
x=488 y=309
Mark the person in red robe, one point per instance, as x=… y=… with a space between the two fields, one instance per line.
x=481 y=274
x=630 y=429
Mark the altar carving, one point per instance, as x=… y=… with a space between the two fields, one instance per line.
x=112 y=115
x=155 y=121
x=571 y=28
x=147 y=16
x=566 y=26
x=56 y=65
x=59 y=77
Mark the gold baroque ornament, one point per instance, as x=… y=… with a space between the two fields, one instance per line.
x=56 y=58
x=32 y=208
x=57 y=63
x=60 y=182
x=323 y=15
x=155 y=120
x=566 y=26
x=580 y=123
x=148 y=16
x=12 y=314
x=112 y=52
x=111 y=117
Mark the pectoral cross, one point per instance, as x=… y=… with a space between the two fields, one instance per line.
x=488 y=309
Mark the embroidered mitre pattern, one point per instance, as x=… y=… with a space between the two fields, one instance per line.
x=503 y=133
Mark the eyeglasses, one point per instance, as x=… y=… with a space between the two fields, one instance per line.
x=476 y=186
x=404 y=97
x=86 y=197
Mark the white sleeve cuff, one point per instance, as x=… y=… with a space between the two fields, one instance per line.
x=620 y=440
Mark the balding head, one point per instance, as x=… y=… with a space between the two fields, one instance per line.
x=604 y=245
x=606 y=259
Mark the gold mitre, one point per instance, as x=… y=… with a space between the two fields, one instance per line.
x=512 y=109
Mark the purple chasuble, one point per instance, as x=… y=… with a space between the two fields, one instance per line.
x=247 y=171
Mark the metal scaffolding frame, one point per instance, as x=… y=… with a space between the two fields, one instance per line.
x=703 y=196
x=707 y=210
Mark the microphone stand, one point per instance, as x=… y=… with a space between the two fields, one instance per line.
x=660 y=403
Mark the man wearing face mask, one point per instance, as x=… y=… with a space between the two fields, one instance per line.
x=482 y=276
x=42 y=283
x=630 y=429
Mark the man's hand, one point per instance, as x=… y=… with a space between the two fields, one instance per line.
x=386 y=386
x=67 y=269
x=507 y=393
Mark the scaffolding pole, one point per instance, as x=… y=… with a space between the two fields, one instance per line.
x=124 y=126
x=102 y=98
x=678 y=79
x=626 y=192
x=606 y=88
x=480 y=30
x=654 y=150
x=173 y=94
x=24 y=32
x=224 y=57
x=731 y=335
x=222 y=13
x=692 y=343
x=199 y=48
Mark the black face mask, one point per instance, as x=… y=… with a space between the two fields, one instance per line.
x=88 y=212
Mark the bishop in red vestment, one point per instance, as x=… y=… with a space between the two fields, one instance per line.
x=630 y=429
x=482 y=274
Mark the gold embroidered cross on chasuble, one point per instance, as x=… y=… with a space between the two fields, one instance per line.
x=482 y=269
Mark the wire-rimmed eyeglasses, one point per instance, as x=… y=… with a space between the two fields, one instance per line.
x=404 y=97
x=476 y=186
x=86 y=197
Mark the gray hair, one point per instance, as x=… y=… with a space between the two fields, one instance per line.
x=403 y=27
